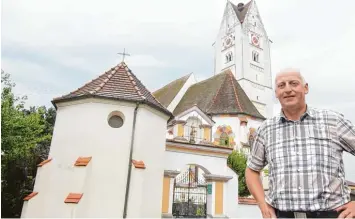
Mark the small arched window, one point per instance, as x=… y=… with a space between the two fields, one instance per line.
x=229 y=57
x=224 y=139
x=255 y=56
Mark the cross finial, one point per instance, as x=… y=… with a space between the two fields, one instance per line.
x=123 y=54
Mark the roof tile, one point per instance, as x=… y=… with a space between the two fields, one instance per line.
x=44 y=162
x=138 y=164
x=82 y=161
x=73 y=198
x=28 y=197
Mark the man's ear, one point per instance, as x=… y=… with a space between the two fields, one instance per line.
x=306 y=88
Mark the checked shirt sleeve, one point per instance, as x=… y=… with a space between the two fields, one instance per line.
x=346 y=134
x=256 y=160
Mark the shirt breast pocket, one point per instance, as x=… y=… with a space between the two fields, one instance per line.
x=276 y=152
x=322 y=148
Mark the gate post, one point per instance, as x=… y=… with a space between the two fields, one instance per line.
x=168 y=192
x=216 y=199
x=210 y=198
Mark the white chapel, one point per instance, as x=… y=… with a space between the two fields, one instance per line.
x=119 y=150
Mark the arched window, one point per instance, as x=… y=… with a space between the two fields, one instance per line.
x=229 y=57
x=255 y=56
x=224 y=136
x=224 y=139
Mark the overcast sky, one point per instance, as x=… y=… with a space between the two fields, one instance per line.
x=53 y=47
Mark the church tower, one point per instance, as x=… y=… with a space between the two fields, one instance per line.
x=243 y=47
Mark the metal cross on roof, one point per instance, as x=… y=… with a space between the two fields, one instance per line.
x=123 y=54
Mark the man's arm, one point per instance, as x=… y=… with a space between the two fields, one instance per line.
x=256 y=162
x=255 y=187
x=346 y=134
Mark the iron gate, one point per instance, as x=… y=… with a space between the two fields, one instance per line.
x=190 y=195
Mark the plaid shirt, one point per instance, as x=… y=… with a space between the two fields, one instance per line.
x=306 y=171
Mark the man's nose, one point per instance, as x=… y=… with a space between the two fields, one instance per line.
x=287 y=88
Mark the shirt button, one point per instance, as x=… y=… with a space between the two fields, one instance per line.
x=299 y=188
x=299 y=171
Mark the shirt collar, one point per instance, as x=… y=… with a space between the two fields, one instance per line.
x=309 y=112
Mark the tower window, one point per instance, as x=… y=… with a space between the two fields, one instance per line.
x=229 y=57
x=255 y=56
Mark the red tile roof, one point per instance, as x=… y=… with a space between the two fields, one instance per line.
x=28 y=197
x=73 y=198
x=118 y=83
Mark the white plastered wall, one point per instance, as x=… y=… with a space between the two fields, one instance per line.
x=81 y=129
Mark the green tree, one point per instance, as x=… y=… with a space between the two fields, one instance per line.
x=25 y=140
x=237 y=161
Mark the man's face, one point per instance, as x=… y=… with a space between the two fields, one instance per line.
x=290 y=91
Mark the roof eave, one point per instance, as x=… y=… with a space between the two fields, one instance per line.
x=85 y=96
x=236 y=113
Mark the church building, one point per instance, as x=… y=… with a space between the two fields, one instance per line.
x=119 y=150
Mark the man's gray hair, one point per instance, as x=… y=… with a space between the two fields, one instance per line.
x=290 y=70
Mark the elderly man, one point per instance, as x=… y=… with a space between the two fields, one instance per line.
x=303 y=147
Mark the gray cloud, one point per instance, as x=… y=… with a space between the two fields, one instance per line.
x=59 y=46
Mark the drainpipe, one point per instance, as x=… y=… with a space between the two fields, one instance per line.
x=130 y=162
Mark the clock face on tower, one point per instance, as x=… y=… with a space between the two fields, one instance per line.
x=228 y=41
x=255 y=41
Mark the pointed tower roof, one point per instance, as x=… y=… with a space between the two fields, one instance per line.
x=118 y=83
x=241 y=10
x=167 y=93
x=220 y=94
